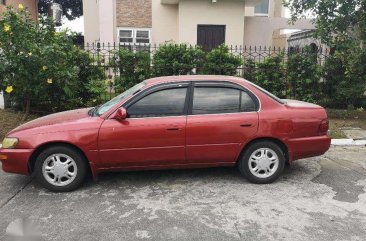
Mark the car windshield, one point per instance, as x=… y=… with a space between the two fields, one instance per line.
x=107 y=106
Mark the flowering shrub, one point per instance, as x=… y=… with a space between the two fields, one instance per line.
x=39 y=64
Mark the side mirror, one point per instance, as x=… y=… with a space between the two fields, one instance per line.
x=120 y=114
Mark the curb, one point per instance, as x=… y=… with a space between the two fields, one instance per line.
x=348 y=142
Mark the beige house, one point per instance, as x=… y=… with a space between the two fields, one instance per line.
x=204 y=22
x=31 y=5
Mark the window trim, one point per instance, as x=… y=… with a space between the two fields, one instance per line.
x=134 y=34
x=263 y=14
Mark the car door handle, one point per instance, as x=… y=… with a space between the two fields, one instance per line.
x=173 y=129
x=246 y=125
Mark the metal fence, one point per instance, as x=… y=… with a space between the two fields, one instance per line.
x=103 y=53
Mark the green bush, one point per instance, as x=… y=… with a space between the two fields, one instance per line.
x=250 y=70
x=345 y=79
x=177 y=59
x=130 y=67
x=270 y=75
x=220 y=61
x=303 y=76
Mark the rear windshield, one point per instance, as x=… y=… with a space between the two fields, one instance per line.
x=267 y=93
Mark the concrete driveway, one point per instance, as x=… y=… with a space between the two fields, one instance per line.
x=317 y=199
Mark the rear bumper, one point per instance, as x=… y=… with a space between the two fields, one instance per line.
x=15 y=160
x=308 y=147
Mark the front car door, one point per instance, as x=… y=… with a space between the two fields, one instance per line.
x=153 y=133
x=222 y=118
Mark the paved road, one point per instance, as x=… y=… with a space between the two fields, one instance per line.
x=317 y=199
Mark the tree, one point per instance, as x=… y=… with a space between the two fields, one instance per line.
x=71 y=8
x=39 y=64
x=338 y=22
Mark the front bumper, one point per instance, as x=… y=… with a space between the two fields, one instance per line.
x=15 y=160
x=308 y=147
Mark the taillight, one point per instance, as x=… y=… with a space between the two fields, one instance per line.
x=324 y=126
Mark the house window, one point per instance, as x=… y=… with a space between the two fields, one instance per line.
x=135 y=39
x=262 y=9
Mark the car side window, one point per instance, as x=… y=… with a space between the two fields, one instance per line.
x=246 y=104
x=168 y=102
x=215 y=100
x=220 y=100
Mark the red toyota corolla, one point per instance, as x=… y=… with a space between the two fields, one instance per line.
x=170 y=122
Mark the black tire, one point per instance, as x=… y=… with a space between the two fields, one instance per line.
x=78 y=159
x=243 y=163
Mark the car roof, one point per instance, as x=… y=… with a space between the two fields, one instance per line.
x=165 y=79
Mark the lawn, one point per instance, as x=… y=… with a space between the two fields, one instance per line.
x=10 y=119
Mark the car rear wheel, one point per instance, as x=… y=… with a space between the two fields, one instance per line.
x=263 y=162
x=60 y=169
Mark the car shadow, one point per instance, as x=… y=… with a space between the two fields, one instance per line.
x=213 y=174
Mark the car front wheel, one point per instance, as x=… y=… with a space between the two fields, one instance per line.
x=263 y=162
x=60 y=169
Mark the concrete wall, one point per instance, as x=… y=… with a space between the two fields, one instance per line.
x=229 y=13
x=91 y=21
x=31 y=5
x=259 y=30
x=107 y=21
x=164 y=22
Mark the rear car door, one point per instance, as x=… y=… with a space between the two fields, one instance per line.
x=154 y=132
x=222 y=117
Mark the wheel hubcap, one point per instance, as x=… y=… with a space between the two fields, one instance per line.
x=263 y=162
x=59 y=169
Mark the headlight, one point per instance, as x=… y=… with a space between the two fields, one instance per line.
x=10 y=142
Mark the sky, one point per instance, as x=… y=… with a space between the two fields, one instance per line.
x=76 y=25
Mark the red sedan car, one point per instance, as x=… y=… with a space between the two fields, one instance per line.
x=170 y=122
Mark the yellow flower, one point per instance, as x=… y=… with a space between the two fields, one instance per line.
x=9 y=89
x=7 y=28
x=20 y=6
x=30 y=54
x=49 y=81
x=45 y=68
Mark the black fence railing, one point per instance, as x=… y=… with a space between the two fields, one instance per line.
x=102 y=53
